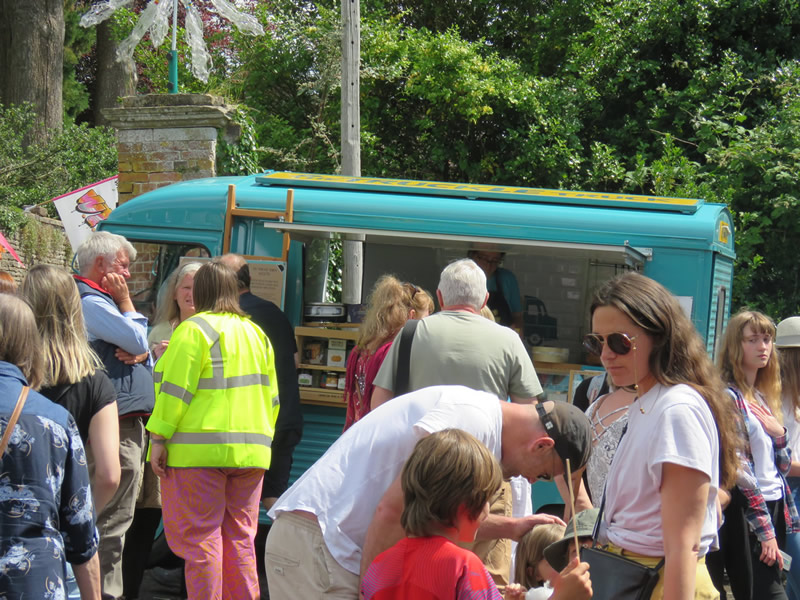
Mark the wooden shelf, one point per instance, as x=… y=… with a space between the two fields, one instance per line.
x=321 y=396
x=321 y=368
x=324 y=331
x=349 y=333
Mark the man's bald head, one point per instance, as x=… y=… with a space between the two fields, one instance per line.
x=239 y=265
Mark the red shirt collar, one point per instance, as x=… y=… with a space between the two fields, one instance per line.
x=91 y=283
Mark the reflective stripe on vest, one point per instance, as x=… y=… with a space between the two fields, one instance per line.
x=177 y=391
x=221 y=437
x=218 y=381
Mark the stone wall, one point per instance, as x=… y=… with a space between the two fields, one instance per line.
x=166 y=138
x=152 y=158
x=56 y=253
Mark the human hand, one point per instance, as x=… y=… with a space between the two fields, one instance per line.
x=115 y=284
x=158 y=456
x=128 y=358
x=770 y=424
x=514 y=591
x=770 y=553
x=573 y=583
x=159 y=348
x=523 y=525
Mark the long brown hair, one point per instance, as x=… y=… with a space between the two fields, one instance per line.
x=56 y=304
x=20 y=343
x=388 y=308
x=768 y=378
x=790 y=376
x=216 y=290
x=678 y=355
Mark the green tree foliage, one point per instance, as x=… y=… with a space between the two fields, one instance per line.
x=36 y=173
x=694 y=98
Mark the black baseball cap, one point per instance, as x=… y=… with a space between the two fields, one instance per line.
x=571 y=431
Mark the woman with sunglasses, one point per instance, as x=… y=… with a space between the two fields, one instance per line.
x=750 y=365
x=680 y=444
x=391 y=303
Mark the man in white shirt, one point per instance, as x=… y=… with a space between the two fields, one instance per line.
x=346 y=508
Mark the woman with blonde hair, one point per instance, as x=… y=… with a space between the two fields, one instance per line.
x=390 y=305
x=750 y=365
x=73 y=374
x=175 y=304
x=680 y=445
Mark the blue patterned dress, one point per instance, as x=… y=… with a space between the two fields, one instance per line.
x=46 y=511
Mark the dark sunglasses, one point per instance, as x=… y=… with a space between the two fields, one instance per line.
x=619 y=343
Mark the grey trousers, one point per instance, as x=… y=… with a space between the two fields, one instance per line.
x=117 y=515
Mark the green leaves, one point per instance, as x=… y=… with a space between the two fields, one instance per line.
x=33 y=174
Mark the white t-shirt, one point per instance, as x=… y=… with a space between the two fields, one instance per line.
x=763 y=451
x=792 y=427
x=344 y=486
x=676 y=428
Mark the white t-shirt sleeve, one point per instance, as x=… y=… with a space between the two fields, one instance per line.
x=685 y=439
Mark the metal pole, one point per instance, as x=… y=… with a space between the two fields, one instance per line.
x=353 y=248
x=173 y=54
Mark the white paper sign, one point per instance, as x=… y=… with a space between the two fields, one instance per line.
x=83 y=209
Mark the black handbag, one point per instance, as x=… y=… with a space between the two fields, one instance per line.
x=619 y=578
x=615 y=577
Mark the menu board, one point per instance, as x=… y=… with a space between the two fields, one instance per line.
x=266 y=277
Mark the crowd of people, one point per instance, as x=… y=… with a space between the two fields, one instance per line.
x=667 y=460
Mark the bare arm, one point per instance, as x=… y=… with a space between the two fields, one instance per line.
x=384 y=530
x=87 y=575
x=684 y=493
x=104 y=438
x=499 y=526
x=582 y=501
x=379 y=396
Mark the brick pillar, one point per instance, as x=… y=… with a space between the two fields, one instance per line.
x=164 y=138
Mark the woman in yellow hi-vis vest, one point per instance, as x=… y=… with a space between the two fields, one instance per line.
x=211 y=431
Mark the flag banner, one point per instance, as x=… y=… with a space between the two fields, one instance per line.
x=4 y=243
x=83 y=209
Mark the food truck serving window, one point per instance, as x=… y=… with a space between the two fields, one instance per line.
x=623 y=254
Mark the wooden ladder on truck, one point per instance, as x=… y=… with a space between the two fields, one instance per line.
x=232 y=211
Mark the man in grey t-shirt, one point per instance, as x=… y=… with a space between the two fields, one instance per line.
x=458 y=346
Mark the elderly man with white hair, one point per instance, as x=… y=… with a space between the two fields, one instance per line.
x=119 y=336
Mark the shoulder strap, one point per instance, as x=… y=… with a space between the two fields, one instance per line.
x=12 y=422
x=404 y=357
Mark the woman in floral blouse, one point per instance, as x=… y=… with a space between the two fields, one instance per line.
x=46 y=512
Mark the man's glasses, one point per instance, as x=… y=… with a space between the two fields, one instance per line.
x=619 y=343
x=489 y=260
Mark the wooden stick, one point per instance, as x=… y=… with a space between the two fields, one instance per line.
x=572 y=509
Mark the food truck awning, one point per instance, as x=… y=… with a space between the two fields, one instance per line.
x=621 y=254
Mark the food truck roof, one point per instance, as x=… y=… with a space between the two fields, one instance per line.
x=422 y=212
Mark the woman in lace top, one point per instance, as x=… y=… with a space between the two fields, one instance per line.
x=609 y=415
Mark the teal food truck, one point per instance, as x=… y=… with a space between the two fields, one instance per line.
x=559 y=244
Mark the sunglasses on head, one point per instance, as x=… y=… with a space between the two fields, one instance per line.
x=619 y=343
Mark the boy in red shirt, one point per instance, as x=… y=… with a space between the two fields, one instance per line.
x=447 y=483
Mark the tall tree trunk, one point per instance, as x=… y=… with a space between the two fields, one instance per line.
x=32 y=60
x=113 y=79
